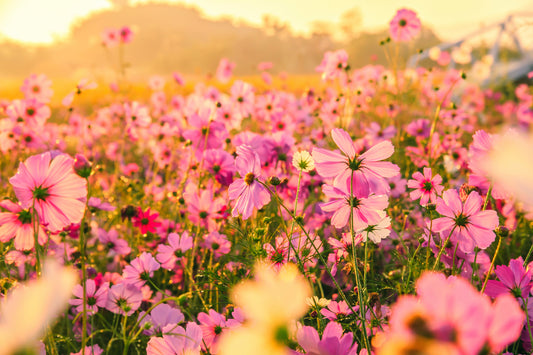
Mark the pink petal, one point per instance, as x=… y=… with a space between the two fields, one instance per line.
x=343 y=141
x=380 y=151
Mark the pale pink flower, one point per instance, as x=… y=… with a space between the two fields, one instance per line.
x=140 y=270
x=179 y=341
x=366 y=210
x=224 y=70
x=369 y=172
x=160 y=317
x=333 y=341
x=247 y=191
x=333 y=65
x=405 y=25
x=52 y=187
x=96 y=298
x=124 y=299
x=169 y=255
x=38 y=87
x=471 y=226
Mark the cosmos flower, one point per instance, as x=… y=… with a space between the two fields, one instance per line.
x=247 y=191
x=426 y=186
x=146 y=221
x=404 y=26
x=471 y=226
x=52 y=187
x=17 y=223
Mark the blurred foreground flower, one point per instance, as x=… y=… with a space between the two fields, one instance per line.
x=269 y=303
x=29 y=308
x=510 y=165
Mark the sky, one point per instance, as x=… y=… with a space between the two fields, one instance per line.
x=43 y=21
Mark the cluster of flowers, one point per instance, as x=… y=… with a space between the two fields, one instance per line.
x=187 y=194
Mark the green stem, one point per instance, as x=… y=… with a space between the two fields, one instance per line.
x=492 y=264
x=443 y=246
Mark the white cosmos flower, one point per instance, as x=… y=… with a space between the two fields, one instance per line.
x=303 y=161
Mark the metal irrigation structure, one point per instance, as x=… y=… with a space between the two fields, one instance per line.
x=509 y=43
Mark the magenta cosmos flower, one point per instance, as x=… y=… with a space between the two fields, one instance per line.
x=471 y=226
x=146 y=221
x=368 y=170
x=52 y=188
x=247 y=191
x=17 y=223
x=514 y=279
x=426 y=186
x=405 y=25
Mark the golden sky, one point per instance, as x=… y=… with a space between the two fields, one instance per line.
x=40 y=21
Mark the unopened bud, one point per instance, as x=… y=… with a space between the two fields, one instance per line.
x=82 y=166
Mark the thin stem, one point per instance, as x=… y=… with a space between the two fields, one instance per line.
x=443 y=246
x=492 y=264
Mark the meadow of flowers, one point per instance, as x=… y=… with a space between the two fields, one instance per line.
x=385 y=211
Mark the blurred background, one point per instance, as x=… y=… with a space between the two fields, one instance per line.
x=63 y=38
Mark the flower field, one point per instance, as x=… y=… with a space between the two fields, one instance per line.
x=383 y=211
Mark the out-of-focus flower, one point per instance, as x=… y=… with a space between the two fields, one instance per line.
x=404 y=26
x=179 y=341
x=37 y=87
x=510 y=165
x=333 y=340
x=333 y=65
x=449 y=316
x=462 y=54
x=30 y=307
x=126 y=34
x=303 y=161
x=269 y=303
x=52 y=187
x=224 y=70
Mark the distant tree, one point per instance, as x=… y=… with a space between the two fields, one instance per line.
x=274 y=26
x=350 y=23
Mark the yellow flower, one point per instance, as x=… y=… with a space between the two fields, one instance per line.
x=270 y=303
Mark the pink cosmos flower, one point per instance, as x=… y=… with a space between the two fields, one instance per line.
x=124 y=299
x=453 y=313
x=336 y=310
x=368 y=169
x=247 y=191
x=405 y=25
x=471 y=226
x=212 y=325
x=160 y=317
x=140 y=269
x=202 y=206
x=90 y=350
x=243 y=98
x=427 y=187
x=179 y=341
x=126 y=34
x=111 y=240
x=169 y=255
x=217 y=243
x=366 y=210
x=333 y=65
x=30 y=111
x=52 y=187
x=224 y=70
x=98 y=204
x=110 y=37
x=221 y=164
x=333 y=341
x=95 y=298
x=17 y=223
x=37 y=87
x=514 y=279
x=146 y=221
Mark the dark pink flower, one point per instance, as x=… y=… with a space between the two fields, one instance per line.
x=426 y=186
x=514 y=279
x=146 y=221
